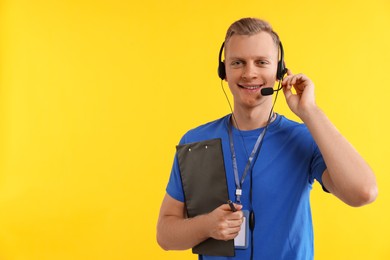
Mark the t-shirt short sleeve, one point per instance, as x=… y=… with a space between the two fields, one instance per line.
x=318 y=167
x=174 y=187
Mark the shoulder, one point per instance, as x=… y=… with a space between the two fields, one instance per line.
x=293 y=138
x=210 y=130
x=285 y=124
x=287 y=129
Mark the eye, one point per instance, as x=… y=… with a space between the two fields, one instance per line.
x=262 y=62
x=237 y=63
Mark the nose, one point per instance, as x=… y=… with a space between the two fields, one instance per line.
x=249 y=72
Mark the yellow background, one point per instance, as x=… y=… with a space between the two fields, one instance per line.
x=94 y=96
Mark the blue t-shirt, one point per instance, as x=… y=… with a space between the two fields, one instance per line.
x=287 y=165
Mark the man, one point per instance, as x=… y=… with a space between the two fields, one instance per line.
x=277 y=185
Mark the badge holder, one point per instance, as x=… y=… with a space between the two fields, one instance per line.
x=242 y=240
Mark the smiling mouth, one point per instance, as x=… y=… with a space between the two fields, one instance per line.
x=250 y=87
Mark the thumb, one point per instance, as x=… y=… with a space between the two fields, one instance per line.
x=238 y=206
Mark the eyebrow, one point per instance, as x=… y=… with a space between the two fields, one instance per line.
x=242 y=58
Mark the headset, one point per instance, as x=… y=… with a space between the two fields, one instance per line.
x=279 y=73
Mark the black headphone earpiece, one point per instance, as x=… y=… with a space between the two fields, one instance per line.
x=281 y=64
x=279 y=73
x=221 y=64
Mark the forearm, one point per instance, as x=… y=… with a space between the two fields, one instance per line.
x=176 y=233
x=349 y=177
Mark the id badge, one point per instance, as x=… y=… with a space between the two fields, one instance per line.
x=241 y=240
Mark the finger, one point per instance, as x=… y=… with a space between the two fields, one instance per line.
x=237 y=214
x=230 y=236
x=301 y=78
x=291 y=80
x=235 y=223
x=237 y=206
x=288 y=77
x=225 y=207
x=240 y=214
x=228 y=233
x=296 y=79
x=233 y=231
x=287 y=92
x=300 y=82
x=286 y=80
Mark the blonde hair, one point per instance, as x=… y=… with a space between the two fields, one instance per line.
x=251 y=26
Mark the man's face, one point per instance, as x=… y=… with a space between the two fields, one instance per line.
x=251 y=64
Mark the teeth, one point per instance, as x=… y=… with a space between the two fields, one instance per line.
x=251 y=87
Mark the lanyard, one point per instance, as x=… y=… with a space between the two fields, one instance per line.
x=248 y=163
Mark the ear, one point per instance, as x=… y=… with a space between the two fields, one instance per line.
x=224 y=69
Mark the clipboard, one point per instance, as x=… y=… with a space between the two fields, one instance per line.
x=203 y=176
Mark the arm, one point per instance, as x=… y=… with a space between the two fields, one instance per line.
x=176 y=232
x=347 y=176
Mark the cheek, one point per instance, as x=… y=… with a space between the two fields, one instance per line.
x=232 y=75
x=232 y=87
x=272 y=74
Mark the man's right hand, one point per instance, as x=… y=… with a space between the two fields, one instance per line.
x=224 y=223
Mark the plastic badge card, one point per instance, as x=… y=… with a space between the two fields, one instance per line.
x=241 y=241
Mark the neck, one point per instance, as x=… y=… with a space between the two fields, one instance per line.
x=250 y=119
